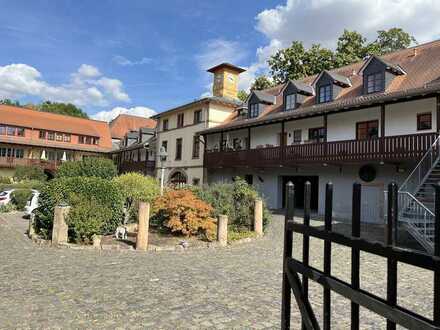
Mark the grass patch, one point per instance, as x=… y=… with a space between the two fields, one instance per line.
x=237 y=235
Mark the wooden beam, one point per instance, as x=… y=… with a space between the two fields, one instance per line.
x=438 y=112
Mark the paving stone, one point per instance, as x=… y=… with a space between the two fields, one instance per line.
x=238 y=287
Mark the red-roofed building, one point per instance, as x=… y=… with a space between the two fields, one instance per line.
x=31 y=137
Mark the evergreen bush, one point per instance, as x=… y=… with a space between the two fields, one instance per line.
x=20 y=197
x=88 y=167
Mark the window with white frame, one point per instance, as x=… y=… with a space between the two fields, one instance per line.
x=254 y=110
x=290 y=102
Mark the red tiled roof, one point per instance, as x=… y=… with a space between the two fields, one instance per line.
x=33 y=119
x=124 y=123
x=421 y=64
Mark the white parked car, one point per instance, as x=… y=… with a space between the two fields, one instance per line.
x=32 y=203
x=5 y=196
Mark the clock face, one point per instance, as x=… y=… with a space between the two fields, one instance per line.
x=218 y=78
x=231 y=78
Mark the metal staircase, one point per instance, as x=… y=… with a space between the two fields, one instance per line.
x=416 y=197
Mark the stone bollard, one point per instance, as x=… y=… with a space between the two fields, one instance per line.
x=222 y=230
x=97 y=241
x=31 y=230
x=59 y=231
x=258 y=217
x=144 y=223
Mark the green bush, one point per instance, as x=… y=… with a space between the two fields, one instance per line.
x=29 y=173
x=20 y=197
x=5 y=180
x=105 y=195
x=86 y=219
x=88 y=167
x=27 y=184
x=236 y=200
x=136 y=188
x=7 y=208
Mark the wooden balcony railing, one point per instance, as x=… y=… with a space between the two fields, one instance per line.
x=390 y=148
x=12 y=162
x=145 y=167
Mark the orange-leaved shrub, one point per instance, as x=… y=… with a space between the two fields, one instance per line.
x=182 y=212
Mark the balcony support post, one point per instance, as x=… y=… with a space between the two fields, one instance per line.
x=438 y=112
x=221 y=141
x=325 y=137
x=382 y=130
x=248 y=147
x=283 y=142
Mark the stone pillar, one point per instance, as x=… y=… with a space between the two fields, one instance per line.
x=31 y=230
x=59 y=231
x=144 y=223
x=97 y=241
x=222 y=230
x=258 y=217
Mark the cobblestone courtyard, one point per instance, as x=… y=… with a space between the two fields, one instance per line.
x=234 y=288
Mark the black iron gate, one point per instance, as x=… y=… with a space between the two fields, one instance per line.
x=387 y=308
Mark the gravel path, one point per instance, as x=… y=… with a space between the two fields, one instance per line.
x=232 y=288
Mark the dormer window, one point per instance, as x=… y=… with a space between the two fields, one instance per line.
x=378 y=74
x=375 y=82
x=325 y=93
x=290 y=102
x=254 y=110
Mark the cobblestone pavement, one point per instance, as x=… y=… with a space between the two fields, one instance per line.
x=231 y=288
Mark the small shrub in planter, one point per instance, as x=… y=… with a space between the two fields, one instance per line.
x=85 y=219
x=104 y=193
x=88 y=167
x=29 y=173
x=182 y=212
x=136 y=188
x=20 y=197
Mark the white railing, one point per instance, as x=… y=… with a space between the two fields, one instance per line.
x=422 y=170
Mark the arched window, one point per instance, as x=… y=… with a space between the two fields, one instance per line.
x=178 y=179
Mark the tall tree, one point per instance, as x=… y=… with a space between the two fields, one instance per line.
x=10 y=102
x=287 y=63
x=350 y=48
x=242 y=95
x=393 y=39
x=260 y=83
x=62 y=109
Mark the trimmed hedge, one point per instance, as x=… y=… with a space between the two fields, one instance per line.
x=29 y=173
x=88 y=167
x=20 y=197
x=105 y=194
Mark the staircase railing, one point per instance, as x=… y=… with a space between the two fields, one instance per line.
x=423 y=169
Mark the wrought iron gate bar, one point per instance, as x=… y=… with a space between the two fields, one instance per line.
x=388 y=308
x=365 y=299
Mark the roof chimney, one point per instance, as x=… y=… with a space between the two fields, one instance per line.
x=415 y=51
x=225 y=80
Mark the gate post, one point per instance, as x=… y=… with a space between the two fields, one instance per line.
x=144 y=222
x=258 y=217
x=59 y=230
x=222 y=230
x=288 y=244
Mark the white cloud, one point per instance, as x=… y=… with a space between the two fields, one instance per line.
x=121 y=60
x=135 y=111
x=86 y=87
x=322 y=21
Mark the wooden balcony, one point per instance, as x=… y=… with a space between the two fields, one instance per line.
x=145 y=167
x=11 y=162
x=387 y=149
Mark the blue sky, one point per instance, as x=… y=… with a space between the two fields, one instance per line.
x=147 y=55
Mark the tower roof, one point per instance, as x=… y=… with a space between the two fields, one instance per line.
x=227 y=66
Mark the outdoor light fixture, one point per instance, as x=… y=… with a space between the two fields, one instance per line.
x=162 y=158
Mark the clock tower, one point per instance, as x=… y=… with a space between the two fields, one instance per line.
x=225 y=80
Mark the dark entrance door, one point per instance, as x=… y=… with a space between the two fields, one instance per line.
x=299 y=181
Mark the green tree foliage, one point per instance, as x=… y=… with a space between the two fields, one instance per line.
x=393 y=39
x=88 y=167
x=136 y=188
x=242 y=95
x=296 y=62
x=85 y=219
x=104 y=196
x=62 y=109
x=29 y=173
x=10 y=102
x=20 y=197
x=260 y=83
